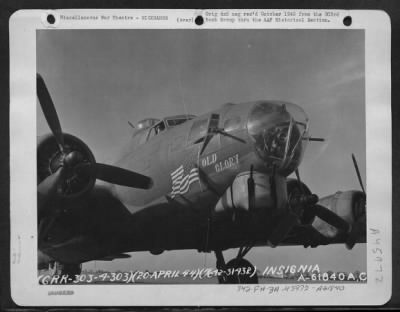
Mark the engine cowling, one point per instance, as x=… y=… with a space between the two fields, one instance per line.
x=50 y=159
x=350 y=206
x=236 y=197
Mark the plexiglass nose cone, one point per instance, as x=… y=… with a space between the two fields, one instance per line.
x=278 y=131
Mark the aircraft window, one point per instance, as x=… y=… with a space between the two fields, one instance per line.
x=175 y=122
x=230 y=125
x=156 y=130
x=159 y=127
x=147 y=123
x=199 y=129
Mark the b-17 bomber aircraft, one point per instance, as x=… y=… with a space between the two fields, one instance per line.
x=207 y=183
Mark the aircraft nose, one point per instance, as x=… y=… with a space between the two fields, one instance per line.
x=277 y=135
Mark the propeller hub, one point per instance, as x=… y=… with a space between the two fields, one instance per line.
x=56 y=161
x=75 y=152
x=63 y=150
x=301 y=201
x=72 y=159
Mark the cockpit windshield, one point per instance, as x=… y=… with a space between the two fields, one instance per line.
x=174 y=121
x=279 y=131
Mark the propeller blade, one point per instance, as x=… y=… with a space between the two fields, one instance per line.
x=358 y=172
x=288 y=220
x=330 y=217
x=49 y=111
x=48 y=188
x=115 y=175
x=322 y=212
x=286 y=223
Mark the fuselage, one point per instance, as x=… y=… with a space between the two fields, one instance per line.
x=262 y=134
x=192 y=165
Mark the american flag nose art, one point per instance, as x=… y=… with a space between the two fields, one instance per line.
x=181 y=182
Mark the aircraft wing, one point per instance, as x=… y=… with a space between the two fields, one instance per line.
x=87 y=228
x=98 y=226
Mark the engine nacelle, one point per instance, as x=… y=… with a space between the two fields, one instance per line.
x=350 y=206
x=236 y=197
x=50 y=158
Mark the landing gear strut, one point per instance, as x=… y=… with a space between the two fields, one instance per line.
x=236 y=271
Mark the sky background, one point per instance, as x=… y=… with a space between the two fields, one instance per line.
x=100 y=79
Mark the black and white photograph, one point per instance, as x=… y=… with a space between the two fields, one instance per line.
x=167 y=151
x=234 y=157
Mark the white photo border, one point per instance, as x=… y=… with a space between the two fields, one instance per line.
x=25 y=289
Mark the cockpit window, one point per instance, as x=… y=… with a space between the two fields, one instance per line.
x=158 y=128
x=198 y=130
x=177 y=121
